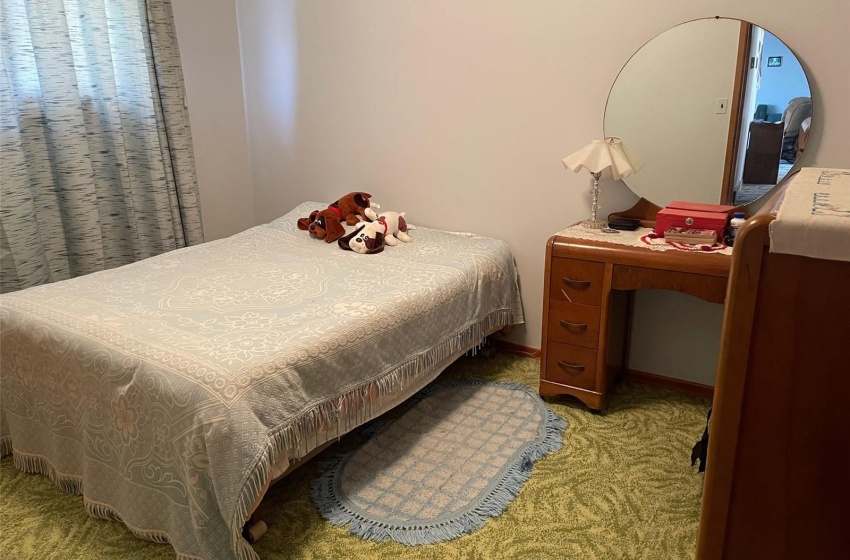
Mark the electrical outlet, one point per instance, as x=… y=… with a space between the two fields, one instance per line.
x=722 y=104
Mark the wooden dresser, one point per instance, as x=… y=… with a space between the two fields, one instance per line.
x=776 y=482
x=588 y=303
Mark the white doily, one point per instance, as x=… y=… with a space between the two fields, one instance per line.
x=644 y=238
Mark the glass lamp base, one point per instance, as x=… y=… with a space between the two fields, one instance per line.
x=594 y=224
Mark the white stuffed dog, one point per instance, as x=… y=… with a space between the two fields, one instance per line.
x=394 y=226
x=386 y=228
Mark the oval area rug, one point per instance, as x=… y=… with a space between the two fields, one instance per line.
x=458 y=457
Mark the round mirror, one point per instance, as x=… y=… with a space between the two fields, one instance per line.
x=718 y=109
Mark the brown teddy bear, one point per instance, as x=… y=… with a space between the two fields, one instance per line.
x=327 y=224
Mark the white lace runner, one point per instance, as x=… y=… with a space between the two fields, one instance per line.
x=641 y=237
x=814 y=218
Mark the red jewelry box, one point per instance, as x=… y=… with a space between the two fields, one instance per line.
x=693 y=215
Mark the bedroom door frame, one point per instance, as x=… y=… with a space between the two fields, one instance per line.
x=739 y=90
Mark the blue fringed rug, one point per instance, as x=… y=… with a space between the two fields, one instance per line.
x=455 y=459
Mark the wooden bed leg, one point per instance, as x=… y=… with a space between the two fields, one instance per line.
x=506 y=330
x=254 y=530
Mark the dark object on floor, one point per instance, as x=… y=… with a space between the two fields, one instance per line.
x=700 y=449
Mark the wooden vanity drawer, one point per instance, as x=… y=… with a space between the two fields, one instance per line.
x=574 y=323
x=571 y=365
x=576 y=281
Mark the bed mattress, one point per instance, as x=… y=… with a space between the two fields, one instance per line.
x=167 y=391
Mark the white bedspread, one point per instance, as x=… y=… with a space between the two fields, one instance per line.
x=165 y=390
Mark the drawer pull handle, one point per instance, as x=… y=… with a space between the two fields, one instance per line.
x=576 y=283
x=575 y=367
x=581 y=327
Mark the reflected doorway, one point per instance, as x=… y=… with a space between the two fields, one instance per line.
x=773 y=117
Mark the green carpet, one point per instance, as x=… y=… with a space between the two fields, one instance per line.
x=622 y=487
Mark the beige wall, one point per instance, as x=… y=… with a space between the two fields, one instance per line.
x=663 y=106
x=209 y=48
x=460 y=112
x=675 y=335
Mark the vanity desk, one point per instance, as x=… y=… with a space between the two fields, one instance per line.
x=587 y=308
x=590 y=279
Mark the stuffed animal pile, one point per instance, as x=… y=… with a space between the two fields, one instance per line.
x=379 y=230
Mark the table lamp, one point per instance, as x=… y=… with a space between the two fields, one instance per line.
x=607 y=157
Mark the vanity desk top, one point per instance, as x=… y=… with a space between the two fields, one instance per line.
x=692 y=272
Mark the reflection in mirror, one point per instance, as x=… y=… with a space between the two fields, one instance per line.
x=719 y=109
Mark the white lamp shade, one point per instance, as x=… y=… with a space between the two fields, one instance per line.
x=608 y=157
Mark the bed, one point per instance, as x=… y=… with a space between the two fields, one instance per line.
x=171 y=391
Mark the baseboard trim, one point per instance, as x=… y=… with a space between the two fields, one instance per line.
x=517 y=349
x=679 y=385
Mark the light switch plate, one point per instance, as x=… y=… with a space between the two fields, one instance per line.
x=722 y=104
